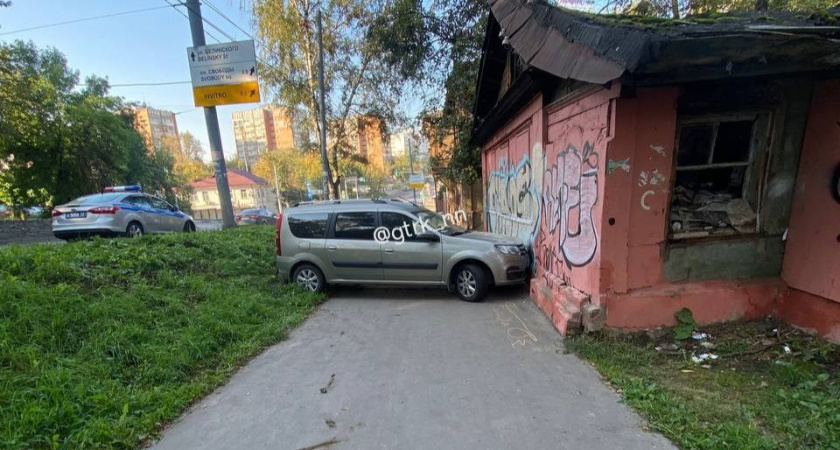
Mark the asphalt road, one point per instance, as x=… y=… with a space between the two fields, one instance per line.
x=405 y=369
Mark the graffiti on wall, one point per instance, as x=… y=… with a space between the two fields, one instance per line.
x=570 y=196
x=549 y=208
x=513 y=196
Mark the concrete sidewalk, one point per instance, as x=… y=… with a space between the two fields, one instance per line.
x=407 y=368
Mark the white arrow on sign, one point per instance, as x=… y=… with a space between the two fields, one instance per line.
x=232 y=73
x=220 y=54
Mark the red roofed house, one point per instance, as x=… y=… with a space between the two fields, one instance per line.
x=246 y=191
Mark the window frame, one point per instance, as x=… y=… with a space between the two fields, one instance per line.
x=326 y=224
x=752 y=188
x=334 y=221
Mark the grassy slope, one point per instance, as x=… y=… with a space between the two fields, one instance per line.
x=102 y=342
x=748 y=399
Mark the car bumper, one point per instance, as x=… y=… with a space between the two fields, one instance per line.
x=97 y=228
x=284 y=267
x=510 y=269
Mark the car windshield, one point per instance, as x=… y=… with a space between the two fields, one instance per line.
x=95 y=199
x=443 y=224
x=251 y=211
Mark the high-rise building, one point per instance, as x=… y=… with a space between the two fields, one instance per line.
x=158 y=128
x=266 y=128
x=399 y=143
x=366 y=139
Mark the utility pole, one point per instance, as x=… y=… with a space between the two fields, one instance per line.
x=322 y=109
x=212 y=121
x=411 y=163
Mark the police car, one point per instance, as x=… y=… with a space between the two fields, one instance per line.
x=119 y=210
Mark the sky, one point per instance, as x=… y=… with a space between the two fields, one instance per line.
x=142 y=47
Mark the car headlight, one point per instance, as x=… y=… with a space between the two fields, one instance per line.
x=508 y=249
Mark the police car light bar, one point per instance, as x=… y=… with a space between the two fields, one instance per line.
x=129 y=188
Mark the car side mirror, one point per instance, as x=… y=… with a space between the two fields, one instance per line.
x=174 y=208
x=428 y=236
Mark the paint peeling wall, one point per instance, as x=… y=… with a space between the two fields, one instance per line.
x=812 y=254
x=545 y=188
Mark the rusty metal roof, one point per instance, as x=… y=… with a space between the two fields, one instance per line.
x=600 y=48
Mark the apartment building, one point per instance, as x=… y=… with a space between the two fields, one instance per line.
x=267 y=128
x=158 y=127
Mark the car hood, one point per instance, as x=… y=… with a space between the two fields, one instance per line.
x=488 y=237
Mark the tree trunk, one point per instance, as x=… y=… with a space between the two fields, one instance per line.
x=675 y=8
x=761 y=5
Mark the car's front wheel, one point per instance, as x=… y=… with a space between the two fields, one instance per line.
x=189 y=227
x=134 y=230
x=471 y=283
x=309 y=277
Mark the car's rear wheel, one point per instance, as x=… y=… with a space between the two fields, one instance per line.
x=470 y=283
x=189 y=227
x=309 y=277
x=134 y=230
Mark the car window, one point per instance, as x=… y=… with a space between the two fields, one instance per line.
x=355 y=225
x=97 y=198
x=312 y=225
x=400 y=226
x=248 y=212
x=158 y=203
x=137 y=200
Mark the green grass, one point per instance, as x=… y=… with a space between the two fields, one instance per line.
x=747 y=399
x=103 y=342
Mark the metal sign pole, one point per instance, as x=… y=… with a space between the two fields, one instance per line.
x=212 y=121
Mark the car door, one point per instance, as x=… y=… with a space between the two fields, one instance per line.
x=143 y=208
x=404 y=256
x=351 y=249
x=166 y=217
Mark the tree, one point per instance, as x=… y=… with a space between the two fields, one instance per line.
x=236 y=163
x=676 y=9
x=59 y=140
x=357 y=81
x=187 y=152
x=452 y=31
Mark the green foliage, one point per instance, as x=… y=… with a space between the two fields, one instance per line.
x=744 y=401
x=358 y=82
x=439 y=45
x=103 y=341
x=59 y=140
x=685 y=324
x=676 y=9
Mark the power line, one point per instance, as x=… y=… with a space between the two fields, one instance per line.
x=219 y=12
x=162 y=83
x=39 y=27
x=175 y=7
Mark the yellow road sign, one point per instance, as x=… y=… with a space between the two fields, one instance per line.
x=227 y=94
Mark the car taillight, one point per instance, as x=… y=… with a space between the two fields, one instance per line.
x=279 y=228
x=56 y=213
x=104 y=210
x=237 y=218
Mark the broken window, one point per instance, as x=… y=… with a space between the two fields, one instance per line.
x=716 y=184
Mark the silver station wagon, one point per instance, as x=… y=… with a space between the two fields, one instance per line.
x=120 y=210
x=392 y=242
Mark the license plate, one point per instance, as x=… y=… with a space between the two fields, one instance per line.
x=75 y=215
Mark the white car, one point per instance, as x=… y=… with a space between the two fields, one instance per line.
x=120 y=210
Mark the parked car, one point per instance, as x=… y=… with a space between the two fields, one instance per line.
x=343 y=242
x=120 y=210
x=256 y=217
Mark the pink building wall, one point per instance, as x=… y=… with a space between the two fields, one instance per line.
x=812 y=254
x=587 y=184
